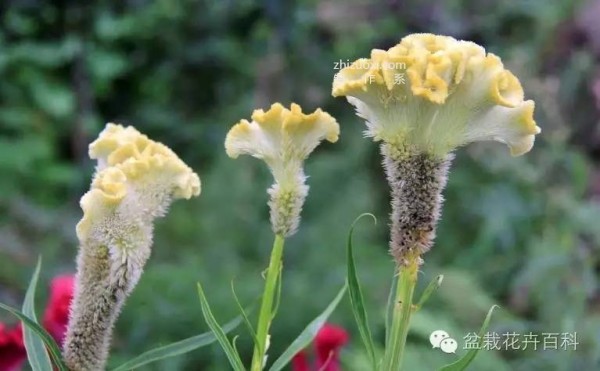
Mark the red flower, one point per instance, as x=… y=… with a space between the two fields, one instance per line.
x=300 y=362
x=330 y=339
x=56 y=316
x=12 y=349
x=328 y=343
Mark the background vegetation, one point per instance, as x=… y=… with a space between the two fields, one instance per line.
x=521 y=232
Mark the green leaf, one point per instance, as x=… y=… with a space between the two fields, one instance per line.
x=177 y=348
x=308 y=334
x=433 y=285
x=389 y=312
x=462 y=363
x=232 y=355
x=357 y=299
x=36 y=351
x=243 y=314
x=46 y=338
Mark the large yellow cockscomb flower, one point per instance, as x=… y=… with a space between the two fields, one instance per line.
x=283 y=138
x=422 y=99
x=434 y=93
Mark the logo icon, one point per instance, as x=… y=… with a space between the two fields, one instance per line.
x=441 y=339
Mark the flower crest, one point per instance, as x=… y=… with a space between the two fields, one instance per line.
x=434 y=93
x=282 y=138
x=133 y=170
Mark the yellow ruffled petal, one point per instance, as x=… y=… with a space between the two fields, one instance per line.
x=308 y=130
x=354 y=78
x=111 y=182
x=114 y=137
x=91 y=211
x=506 y=89
x=270 y=120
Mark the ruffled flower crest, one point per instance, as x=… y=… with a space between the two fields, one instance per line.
x=136 y=178
x=434 y=93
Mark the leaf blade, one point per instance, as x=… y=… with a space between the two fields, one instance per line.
x=308 y=334
x=433 y=286
x=356 y=297
x=232 y=355
x=243 y=314
x=37 y=354
x=464 y=362
x=177 y=348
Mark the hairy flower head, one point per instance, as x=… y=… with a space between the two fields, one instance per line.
x=283 y=138
x=432 y=94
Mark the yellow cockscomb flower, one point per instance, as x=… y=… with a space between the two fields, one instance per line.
x=135 y=182
x=283 y=139
x=432 y=94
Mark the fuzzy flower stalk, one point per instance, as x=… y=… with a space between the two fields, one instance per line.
x=422 y=99
x=283 y=138
x=136 y=180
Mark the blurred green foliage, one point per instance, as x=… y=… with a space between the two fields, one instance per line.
x=520 y=232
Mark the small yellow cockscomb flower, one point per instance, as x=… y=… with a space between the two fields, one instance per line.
x=432 y=94
x=283 y=138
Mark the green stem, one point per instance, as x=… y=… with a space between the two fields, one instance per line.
x=266 y=308
x=407 y=281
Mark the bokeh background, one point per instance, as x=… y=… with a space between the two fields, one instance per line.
x=523 y=232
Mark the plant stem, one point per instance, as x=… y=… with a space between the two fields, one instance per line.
x=266 y=307
x=407 y=280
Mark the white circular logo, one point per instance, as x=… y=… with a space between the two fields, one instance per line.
x=437 y=336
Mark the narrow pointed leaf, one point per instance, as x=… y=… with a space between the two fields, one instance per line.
x=232 y=355
x=177 y=348
x=37 y=355
x=462 y=363
x=243 y=314
x=308 y=334
x=433 y=285
x=357 y=299
x=46 y=338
